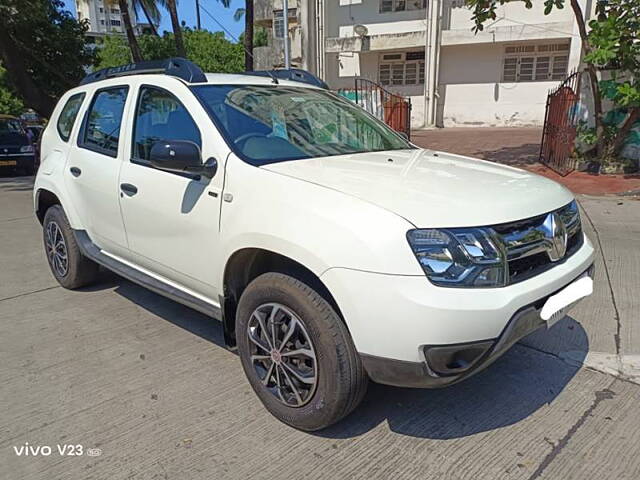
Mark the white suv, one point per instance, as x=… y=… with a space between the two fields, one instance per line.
x=331 y=249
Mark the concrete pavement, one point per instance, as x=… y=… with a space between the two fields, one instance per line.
x=148 y=382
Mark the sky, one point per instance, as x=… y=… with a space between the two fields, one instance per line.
x=187 y=13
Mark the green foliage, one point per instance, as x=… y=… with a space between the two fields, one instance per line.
x=260 y=37
x=10 y=104
x=211 y=51
x=50 y=40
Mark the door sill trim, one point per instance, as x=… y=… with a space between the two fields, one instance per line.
x=93 y=252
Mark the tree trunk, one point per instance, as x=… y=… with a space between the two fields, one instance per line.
x=177 y=31
x=146 y=14
x=248 y=36
x=621 y=135
x=13 y=61
x=136 y=53
x=593 y=78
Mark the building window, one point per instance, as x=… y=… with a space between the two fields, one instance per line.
x=278 y=21
x=401 y=5
x=397 y=69
x=115 y=11
x=101 y=22
x=529 y=63
x=101 y=10
x=115 y=23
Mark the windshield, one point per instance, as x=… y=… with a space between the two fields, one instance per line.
x=266 y=124
x=9 y=125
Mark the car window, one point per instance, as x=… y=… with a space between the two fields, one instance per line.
x=10 y=125
x=68 y=115
x=102 y=128
x=161 y=116
x=271 y=124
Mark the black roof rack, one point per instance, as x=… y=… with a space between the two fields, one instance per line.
x=294 y=74
x=176 y=67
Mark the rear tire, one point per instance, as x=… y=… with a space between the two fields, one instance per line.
x=317 y=376
x=68 y=265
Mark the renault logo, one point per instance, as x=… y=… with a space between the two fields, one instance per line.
x=556 y=235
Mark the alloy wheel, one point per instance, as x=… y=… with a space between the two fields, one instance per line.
x=57 y=249
x=282 y=354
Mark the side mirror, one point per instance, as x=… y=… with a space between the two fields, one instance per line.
x=180 y=156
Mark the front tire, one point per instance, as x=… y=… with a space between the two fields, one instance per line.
x=297 y=353
x=70 y=268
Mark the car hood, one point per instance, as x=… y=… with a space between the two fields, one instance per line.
x=13 y=139
x=433 y=189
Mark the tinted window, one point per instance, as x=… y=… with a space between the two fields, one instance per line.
x=271 y=124
x=160 y=116
x=68 y=115
x=102 y=129
x=10 y=125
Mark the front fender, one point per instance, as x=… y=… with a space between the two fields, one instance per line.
x=316 y=226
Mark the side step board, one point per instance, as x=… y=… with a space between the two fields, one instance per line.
x=90 y=250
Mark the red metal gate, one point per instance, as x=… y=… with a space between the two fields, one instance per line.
x=394 y=110
x=560 y=122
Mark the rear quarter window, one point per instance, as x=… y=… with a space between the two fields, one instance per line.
x=68 y=115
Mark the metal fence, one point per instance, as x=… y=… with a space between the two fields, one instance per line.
x=394 y=110
x=560 y=126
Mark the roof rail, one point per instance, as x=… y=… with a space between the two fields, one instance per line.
x=294 y=74
x=176 y=67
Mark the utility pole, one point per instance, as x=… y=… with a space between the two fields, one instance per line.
x=198 y=14
x=285 y=15
x=432 y=61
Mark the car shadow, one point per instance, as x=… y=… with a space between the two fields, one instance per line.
x=518 y=384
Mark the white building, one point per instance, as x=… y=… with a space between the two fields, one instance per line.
x=426 y=49
x=104 y=17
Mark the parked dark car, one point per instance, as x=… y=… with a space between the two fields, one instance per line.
x=17 y=151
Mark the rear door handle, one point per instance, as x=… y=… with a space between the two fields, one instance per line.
x=75 y=171
x=129 y=189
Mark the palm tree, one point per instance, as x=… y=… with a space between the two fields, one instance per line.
x=247 y=13
x=136 y=53
x=151 y=11
x=177 y=30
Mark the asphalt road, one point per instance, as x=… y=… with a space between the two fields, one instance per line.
x=149 y=383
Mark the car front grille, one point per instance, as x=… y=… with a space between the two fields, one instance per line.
x=530 y=246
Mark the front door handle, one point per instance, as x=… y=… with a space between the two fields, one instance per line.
x=129 y=189
x=75 y=171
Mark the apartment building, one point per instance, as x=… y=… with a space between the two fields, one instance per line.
x=427 y=50
x=104 y=18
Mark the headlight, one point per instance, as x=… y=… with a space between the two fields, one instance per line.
x=459 y=257
x=26 y=149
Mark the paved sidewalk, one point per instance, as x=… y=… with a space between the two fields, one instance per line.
x=519 y=147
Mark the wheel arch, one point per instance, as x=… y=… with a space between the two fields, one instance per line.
x=45 y=199
x=245 y=265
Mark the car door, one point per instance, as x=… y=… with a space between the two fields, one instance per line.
x=93 y=166
x=172 y=219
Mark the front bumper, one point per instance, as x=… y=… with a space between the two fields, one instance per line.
x=400 y=324
x=444 y=365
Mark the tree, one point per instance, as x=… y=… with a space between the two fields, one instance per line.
x=615 y=46
x=150 y=10
x=177 y=31
x=43 y=49
x=128 y=27
x=10 y=104
x=613 y=42
x=211 y=51
x=247 y=37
